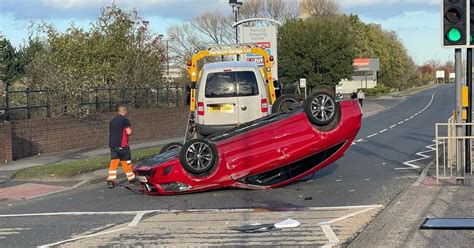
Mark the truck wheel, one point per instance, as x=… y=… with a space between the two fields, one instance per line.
x=284 y=103
x=321 y=109
x=198 y=156
x=171 y=146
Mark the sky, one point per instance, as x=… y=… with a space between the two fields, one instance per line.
x=417 y=22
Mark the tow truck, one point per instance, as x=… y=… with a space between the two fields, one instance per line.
x=270 y=100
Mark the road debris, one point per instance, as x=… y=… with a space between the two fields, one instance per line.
x=257 y=227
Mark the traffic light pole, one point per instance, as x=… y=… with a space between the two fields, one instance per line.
x=469 y=109
x=459 y=128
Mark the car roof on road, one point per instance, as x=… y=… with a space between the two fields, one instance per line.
x=230 y=64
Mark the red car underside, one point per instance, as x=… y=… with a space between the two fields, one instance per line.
x=267 y=153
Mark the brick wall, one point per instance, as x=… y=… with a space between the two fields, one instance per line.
x=5 y=142
x=30 y=137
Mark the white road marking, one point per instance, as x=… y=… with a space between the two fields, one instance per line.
x=347 y=216
x=383 y=131
x=332 y=238
x=407 y=119
x=174 y=211
x=330 y=235
x=137 y=219
x=359 y=140
x=75 y=213
x=401 y=122
x=410 y=163
x=372 y=135
x=82 y=237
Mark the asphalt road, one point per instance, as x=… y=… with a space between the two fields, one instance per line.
x=368 y=174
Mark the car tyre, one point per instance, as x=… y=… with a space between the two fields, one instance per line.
x=284 y=103
x=171 y=146
x=322 y=109
x=198 y=157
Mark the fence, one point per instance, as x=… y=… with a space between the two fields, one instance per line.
x=448 y=147
x=32 y=103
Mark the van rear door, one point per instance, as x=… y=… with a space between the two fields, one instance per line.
x=220 y=99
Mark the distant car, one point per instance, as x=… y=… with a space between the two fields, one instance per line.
x=269 y=152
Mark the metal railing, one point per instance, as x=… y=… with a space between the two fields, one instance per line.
x=31 y=103
x=448 y=147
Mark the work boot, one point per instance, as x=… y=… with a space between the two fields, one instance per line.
x=110 y=184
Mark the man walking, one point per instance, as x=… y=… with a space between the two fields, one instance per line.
x=361 y=97
x=119 y=130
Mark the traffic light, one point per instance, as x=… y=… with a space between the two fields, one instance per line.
x=454 y=22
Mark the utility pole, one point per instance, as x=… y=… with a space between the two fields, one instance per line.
x=235 y=9
x=161 y=37
x=459 y=108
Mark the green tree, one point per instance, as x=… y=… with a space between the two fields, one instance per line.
x=117 y=51
x=9 y=62
x=320 y=49
x=397 y=68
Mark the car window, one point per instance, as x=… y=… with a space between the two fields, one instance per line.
x=246 y=83
x=231 y=84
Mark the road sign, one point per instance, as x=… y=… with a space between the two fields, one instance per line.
x=440 y=74
x=264 y=37
x=454 y=23
x=302 y=82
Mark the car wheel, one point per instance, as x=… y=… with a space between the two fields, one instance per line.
x=284 y=103
x=171 y=146
x=321 y=108
x=198 y=156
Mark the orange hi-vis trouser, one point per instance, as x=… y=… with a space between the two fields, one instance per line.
x=127 y=168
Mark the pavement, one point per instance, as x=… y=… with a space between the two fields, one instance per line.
x=398 y=225
x=379 y=167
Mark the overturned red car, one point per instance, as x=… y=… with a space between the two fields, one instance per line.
x=266 y=153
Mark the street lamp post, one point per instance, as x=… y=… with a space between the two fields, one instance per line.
x=161 y=36
x=235 y=8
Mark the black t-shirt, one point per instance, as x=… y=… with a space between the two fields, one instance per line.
x=117 y=131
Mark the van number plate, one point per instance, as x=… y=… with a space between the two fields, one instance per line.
x=227 y=108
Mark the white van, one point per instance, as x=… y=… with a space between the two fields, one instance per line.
x=229 y=94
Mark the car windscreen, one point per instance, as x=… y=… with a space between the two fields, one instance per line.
x=231 y=84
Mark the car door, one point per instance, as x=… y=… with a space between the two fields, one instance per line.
x=249 y=96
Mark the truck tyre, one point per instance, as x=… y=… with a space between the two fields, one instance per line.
x=284 y=103
x=198 y=157
x=171 y=146
x=322 y=109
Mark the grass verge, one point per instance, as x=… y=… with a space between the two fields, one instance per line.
x=73 y=168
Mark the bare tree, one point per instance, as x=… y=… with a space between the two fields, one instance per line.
x=214 y=27
x=318 y=8
x=280 y=10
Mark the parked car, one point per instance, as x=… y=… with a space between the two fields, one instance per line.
x=269 y=152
